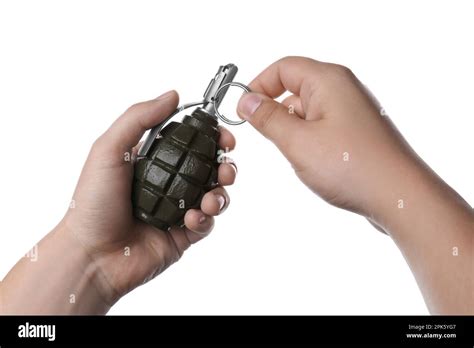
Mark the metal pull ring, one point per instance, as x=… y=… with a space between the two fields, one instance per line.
x=142 y=152
x=216 y=99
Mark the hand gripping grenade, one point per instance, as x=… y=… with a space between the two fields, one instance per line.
x=177 y=166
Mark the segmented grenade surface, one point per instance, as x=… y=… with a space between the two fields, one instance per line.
x=180 y=168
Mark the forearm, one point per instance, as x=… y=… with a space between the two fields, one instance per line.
x=62 y=280
x=433 y=227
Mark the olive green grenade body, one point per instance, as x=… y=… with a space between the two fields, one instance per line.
x=179 y=168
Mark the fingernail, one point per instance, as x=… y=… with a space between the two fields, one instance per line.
x=202 y=219
x=221 y=201
x=165 y=95
x=248 y=104
x=234 y=166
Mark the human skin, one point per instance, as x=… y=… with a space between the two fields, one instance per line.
x=345 y=150
x=340 y=146
x=99 y=252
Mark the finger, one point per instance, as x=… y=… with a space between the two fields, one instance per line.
x=180 y=239
x=293 y=104
x=127 y=130
x=270 y=118
x=162 y=250
x=183 y=238
x=294 y=74
x=198 y=223
x=226 y=174
x=226 y=139
x=215 y=202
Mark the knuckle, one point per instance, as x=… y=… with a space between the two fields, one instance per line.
x=289 y=58
x=341 y=70
x=98 y=143
x=295 y=59
x=133 y=108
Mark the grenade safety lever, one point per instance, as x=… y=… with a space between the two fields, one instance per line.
x=177 y=164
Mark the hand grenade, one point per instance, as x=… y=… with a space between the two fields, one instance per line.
x=177 y=166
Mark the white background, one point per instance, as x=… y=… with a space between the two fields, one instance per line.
x=69 y=68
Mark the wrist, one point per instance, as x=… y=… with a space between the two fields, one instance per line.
x=397 y=185
x=432 y=226
x=92 y=287
x=413 y=194
x=60 y=279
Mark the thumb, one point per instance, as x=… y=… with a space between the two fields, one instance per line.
x=269 y=117
x=127 y=130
